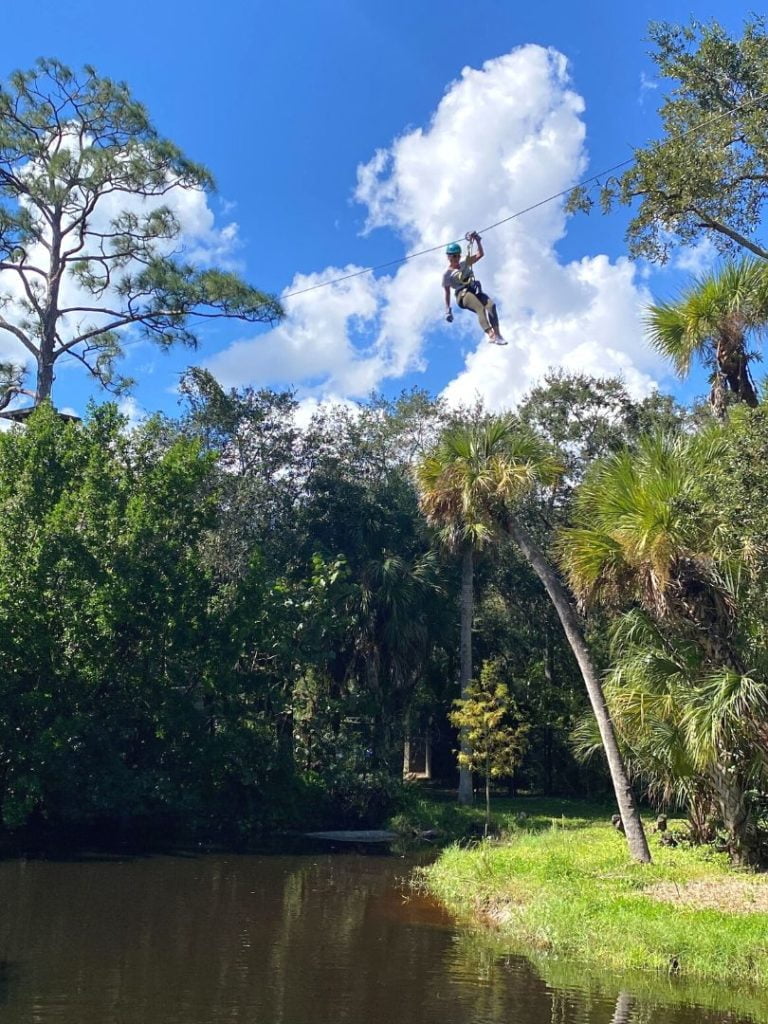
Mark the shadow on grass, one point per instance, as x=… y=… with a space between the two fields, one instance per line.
x=435 y=811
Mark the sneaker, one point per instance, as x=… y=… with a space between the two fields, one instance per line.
x=497 y=340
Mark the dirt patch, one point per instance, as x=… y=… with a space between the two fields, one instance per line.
x=732 y=895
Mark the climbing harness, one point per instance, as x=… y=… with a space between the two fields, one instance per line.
x=468 y=276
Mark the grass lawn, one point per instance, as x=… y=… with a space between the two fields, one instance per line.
x=559 y=883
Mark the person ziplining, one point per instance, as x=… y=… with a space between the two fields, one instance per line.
x=468 y=291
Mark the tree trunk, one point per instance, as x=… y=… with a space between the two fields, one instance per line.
x=44 y=384
x=487 y=800
x=736 y=812
x=466 y=795
x=733 y=363
x=628 y=809
x=50 y=318
x=549 y=675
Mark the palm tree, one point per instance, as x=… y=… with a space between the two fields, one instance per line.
x=479 y=477
x=392 y=604
x=680 y=690
x=644 y=533
x=648 y=691
x=451 y=482
x=712 y=320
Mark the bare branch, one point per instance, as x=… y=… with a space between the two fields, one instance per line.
x=724 y=229
x=19 y=334
x=22 y=268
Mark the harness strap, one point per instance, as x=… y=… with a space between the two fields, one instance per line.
x=469 y=277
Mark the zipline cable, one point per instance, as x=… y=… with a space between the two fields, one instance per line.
x=519 y=213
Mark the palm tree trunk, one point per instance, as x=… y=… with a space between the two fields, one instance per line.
x=466 y=795
x=628 y=809
x=734 y=805
x=733 y=363
x=487 y=798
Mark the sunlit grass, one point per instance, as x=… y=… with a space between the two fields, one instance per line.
x=569 y=890
x=438 y=811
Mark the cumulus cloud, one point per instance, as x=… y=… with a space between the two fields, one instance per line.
x=502 y=137
x=323 y=343
x=698 y=258
x=132 y=411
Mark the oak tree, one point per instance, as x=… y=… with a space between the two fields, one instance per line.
x=707 y=175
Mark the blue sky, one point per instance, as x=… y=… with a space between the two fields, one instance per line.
x=344 y=134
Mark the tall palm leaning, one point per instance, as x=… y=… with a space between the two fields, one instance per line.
x=486 y=469
x=712 y=320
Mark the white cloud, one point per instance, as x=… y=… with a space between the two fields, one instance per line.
x=310 y=407
x=698 y=258
x=646 y=85
x=501 y=138
x=322 y=342
x=133 y=412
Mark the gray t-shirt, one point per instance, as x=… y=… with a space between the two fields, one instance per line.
x=457 y=277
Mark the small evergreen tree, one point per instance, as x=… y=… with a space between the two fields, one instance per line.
x=496 y=735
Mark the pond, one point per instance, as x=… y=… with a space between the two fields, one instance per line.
x=301 y=939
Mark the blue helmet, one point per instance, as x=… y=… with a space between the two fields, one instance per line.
x=454 y=249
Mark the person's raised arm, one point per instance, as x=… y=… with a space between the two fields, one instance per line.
x=480 y=251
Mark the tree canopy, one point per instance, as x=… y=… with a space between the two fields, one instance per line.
x=707 y=176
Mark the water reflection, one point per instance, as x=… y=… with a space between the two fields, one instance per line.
x=266 y=940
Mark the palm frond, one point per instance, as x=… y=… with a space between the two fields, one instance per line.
x=475 y=470
x=729 y=301
x=724 y=712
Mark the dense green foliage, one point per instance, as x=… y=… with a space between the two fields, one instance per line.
x=120 y=699
x=688 y=680
x=221 y=623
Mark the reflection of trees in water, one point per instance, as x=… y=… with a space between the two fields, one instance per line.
x=571 y=1006
x=9 y=977
x=563 y=992
x=623 y=1011
x=657 y=997
x=323 y=908
x=644 y=997
x=630 y=1010
x=514 y=983
x=275 y=939
x=506 y=988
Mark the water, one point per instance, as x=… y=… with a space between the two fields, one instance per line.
x=270 y=940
